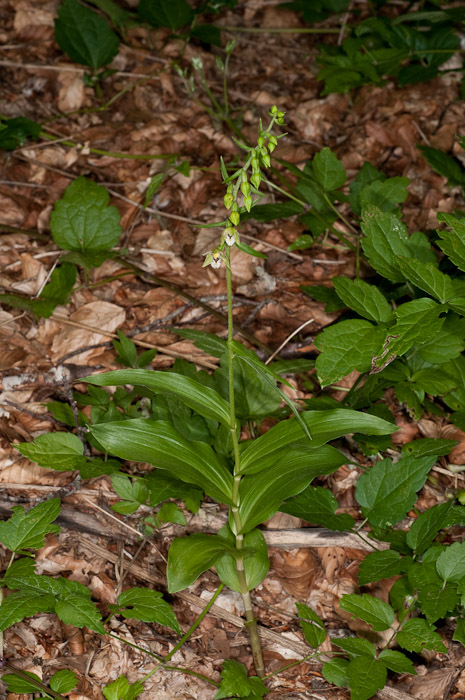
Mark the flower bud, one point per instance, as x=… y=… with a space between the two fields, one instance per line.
x=255 y=163
x=255 y=180
x=261 y=141
x=228 y=200
x=248 y=201
x=271 y=147
x=245 y=188
x=234 y=218
x=274 y=110
x=272 y=139
x=266 y=161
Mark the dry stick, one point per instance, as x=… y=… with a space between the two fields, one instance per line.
x=66 y=68
x=285 y=342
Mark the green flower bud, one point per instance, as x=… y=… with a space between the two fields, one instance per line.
x=255 y=163
x=266 y=160
x=274 y=110
x=248 y=201
x=263 y=151
x=261 y=141
x=255 y=180
x=228 y=200
x=234 y=218
x=281 y=115
x=245 y=188
x=272 y=139
x=271 y=147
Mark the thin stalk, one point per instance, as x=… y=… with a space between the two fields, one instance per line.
x=112 y=154
x=251 y=620
x=279 y=30
x=340 y=216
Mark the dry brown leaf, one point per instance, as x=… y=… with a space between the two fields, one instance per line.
x=296 y=570
x=431 y=686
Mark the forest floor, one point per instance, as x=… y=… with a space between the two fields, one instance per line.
x=41 y=359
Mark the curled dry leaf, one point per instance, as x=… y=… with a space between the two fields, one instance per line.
x=407 y=431
x=433 y=685
x=296 y=570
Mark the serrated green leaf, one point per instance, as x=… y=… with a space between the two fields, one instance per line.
x=453 y=242
x=417 y=634
x=459 y=634
x=385 y=195
x=63 y=681
x=444 y=164
x=366 y=677
x=146 y=605
x=425 y=528
x=324 y=294
x=82 y=221
x=235 y=682
x=335 y=671
x=17 y=606
x=261 y=494
x=59 y=287
x=160 y=444
x=79 y=612
x=317 y=505
x=356 y=646
x=200 y=398
x=346 y=346
x=397 y=662
x=372 y=610
x=27 y=530
x=84 y=35
x=385 y=238
x=328 y=170
x=323 y=426
x=255 y=567
x=173 y=14
x=365 y=299
x=448 y=345
x=379 y=565
x=428 y=277
x=121 y=689
x=191 y=556
x=135 y=491
x=15 y=132
x=451 y=563
x=60 y=451
x=387 y=491
x=312 y=625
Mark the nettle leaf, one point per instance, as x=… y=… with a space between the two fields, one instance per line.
x=427 y=277
x=451 y=563
x=173 y=14
x=365 y=299
x=448 y=345
x=146 y=605
x=27 y=530
x=416 y=635
x=346 y=346
x=255 y=567
x=317 y=505
x=356 y=646
x=135 y=493
x=425 y=528
x=58 y=289
x=312 y=625
x=236 y=683
x=121 y=689
x=18 y=606
x=261 y=494
x=328 y=170
x=160 y=444
x=385 y=195
x=323 y=426
x=80 y=612
x=385 y=239
x=372 y=610
x=366 y=676
x=387 y=491
x=459 y=634
x=429 y=446
x=397 y=662
x=60 y=451
x=84 y=35
x=335 y=671
x=417 y=321
x=453 y=242
x=63 y=681
x=379 y=565
x=198 y=397
x=82 y=221
x=191 y=556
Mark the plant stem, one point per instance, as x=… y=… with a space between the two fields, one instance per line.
x=251 y=620
x=279 y=30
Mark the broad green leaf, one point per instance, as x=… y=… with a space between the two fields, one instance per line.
x=255 y=396
x=84 y=35
x=312 y=625
x=372 y=610
x=60 y=451
x=58 y=289
x=356 y=646
x=325 y=294
x=366 y=677
x=425 y=528
x=421 y=247
x=436 y=600
x=448 y=345
x=459 y=634
x=17 y=606
x=323 y=426
x=27 y=530
x=387 y=491
x=417 y=321
x=385 y=238
x=346 y=346
x=63 y=681
x=385 y=195
x=82 y=220
x=255 y=567
x=121 y=689
x=162 y=486
x=335 y=671
x=15 y=132
x=451 y=563
x=173 y=14
x=134 y=492
x=191 y=556
x=146 y=605
x=208 y=342
x=379 y=565
x=365 y=299
x=365 y=176
x=236 y=683
x=444 y=164
x=433 y=381
x=262 y=494
x=170 y=513
x=270 y=212
x=317 y=505
x=397 y=662
x=200 y=398
x=453 y=242
x=427 y=277
x=416 y=635
x=78 y=611
x=328 y=170
x=160 y=444
x=17 y=684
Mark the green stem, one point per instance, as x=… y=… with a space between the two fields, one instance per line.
x=251 y=620
x=112 y=154
x=278 y=30
x=1 y=601
x=189 y=632
x=340 y=216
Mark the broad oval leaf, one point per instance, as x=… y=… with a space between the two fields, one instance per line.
x=160 y=444
x=256 y=566
x=323 y=426
x=27 y=530
x=417 y=635
x=312 y=625
x=60 y=451
x=451 y=563
x=364 y=298
x=200 y=398
x=366 y=676
x=370 y=609
x=146 y=605
x=191 y=556
x=328 y=170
